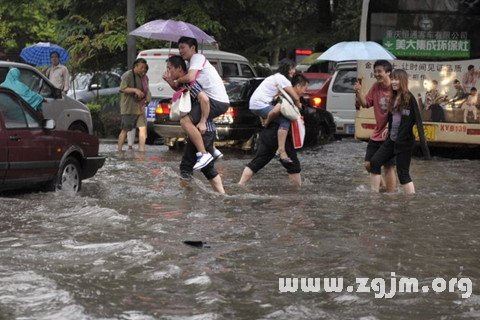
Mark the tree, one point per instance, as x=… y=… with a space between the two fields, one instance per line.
x=24 y=23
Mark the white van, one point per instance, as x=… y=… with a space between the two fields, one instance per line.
x=228 y=65
x=341 y=97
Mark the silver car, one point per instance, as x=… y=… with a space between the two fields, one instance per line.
x=85 y=87
x=67 y=113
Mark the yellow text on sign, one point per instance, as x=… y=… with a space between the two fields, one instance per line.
x=429 y=132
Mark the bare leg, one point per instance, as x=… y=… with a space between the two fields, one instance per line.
x=390 y=179
x=121 y=140
x=408 y=188
x=142 y=137
x=205 y=107
x=246 y=176
x=282 y=139
x=193 y=133
x=274 y=113
x=217 y=184
x=131 y=137
x=295 y=179
x=375 y=180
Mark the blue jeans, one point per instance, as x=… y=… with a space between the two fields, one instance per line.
x=283 y=122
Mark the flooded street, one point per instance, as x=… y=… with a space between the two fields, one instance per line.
x=117 y=250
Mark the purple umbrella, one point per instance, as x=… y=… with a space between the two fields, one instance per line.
x=171 y=30
x=39 y=54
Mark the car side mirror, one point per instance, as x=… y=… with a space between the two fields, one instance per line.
x=48 y=124
x=95 y=86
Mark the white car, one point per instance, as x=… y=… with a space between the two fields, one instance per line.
x=85 y=87
x=67 y=113
x=341 y=97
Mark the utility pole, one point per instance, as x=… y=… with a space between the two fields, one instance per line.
x=131 y=42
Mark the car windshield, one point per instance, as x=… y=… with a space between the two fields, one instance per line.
x=235 y=88
x=315 y=84
x=81 y=81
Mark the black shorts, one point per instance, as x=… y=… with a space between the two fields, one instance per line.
x=372 y=148
x=216 y=108
x=267 y=148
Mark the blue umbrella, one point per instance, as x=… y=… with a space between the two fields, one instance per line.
x=39 y=54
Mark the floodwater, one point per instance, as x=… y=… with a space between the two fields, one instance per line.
x=117 y=250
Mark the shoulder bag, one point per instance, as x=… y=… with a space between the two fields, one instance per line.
x=181 y=104
x=287 y=106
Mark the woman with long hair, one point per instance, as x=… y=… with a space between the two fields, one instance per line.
x=262 y=103
x=403 y=114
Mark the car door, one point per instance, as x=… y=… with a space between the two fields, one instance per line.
x=52 y=107
x=3 y=149
x=31 y=157
x=111 y=84
x=341 y=99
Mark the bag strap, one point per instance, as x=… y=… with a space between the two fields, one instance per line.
x=203 y=66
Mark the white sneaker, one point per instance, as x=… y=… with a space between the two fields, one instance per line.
x=202 y=160
x=217 y=154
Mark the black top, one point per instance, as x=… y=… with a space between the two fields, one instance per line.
x=405 y=139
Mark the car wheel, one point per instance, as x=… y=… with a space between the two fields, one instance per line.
x=322 y=135
x=78 y=126
x=69 y=178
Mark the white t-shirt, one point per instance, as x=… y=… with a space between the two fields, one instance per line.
x=209 y=78
x=263 y=95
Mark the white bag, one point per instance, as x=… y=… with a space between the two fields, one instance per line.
x=181 y=104
x=288 y=109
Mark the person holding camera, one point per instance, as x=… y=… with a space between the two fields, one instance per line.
x=133 y=96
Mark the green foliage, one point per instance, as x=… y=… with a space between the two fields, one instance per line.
x=94 y=107
x=26 y=22
x=94 y=31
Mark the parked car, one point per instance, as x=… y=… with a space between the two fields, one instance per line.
x=227 y=64
x=319 y=123
x=341 y=97
x=85 y=87
x=33 y=154
x=67 y=113
x=239 y=126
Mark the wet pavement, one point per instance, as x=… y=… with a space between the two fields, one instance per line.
x=121 y=250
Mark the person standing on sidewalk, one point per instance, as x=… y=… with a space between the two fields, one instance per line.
x=378 y=97
x=58 y=73
x=132 y=101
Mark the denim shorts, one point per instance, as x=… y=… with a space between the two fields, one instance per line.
x=283 y=122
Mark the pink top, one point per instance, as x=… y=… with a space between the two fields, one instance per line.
x=378 y=97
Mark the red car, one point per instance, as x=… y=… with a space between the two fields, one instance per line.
x=316 y=94
x=319 y=123
x=33 y=154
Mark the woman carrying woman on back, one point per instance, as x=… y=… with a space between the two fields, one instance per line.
x=262 y=102
x=403 y=114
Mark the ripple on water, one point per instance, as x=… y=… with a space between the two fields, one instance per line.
x=35 y=297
